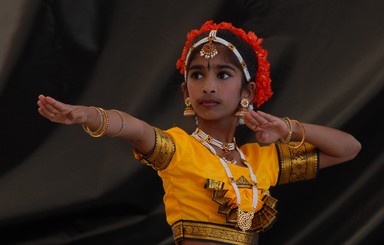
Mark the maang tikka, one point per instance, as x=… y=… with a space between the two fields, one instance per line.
x=209 y=50
x=188 y=111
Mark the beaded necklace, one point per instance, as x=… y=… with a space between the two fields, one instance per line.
x=244 y=219
x=224 y=146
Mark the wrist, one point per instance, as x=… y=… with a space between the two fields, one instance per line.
x=97 y=122
x=289 y=130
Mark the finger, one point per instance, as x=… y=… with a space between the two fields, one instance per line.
x=46 y=109
x=45 y=113
x=261 y=120
x=52 y=109
x=250 y=121
x=266 y=116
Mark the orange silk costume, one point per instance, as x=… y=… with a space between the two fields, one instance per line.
x=200 y=202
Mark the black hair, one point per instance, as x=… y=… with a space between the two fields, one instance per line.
x=242 y=46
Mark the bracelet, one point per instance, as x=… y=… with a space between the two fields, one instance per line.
x=302 y=132
x=289 y=126
x=104 y=123
x=122 y=123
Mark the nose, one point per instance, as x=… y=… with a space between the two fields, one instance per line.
x=209 y=86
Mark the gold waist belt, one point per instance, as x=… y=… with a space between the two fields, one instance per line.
x=184 y=229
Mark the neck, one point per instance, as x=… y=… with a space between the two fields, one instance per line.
x=221 y=131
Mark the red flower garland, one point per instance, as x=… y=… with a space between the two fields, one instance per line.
x=263 y=79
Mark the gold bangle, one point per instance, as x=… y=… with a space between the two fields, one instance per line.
x=101 y=122
x=302 y=132
x=289 y=126
x=104 y=122
x=86 y=128
x=122 y=123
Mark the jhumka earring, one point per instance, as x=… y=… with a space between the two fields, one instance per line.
x=188 y=111
x=244 y=103
x=245 y=106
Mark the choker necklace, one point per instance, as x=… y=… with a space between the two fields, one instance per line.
x=224 y=146
x=244 y=219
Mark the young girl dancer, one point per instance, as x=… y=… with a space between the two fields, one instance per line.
x=217 y=191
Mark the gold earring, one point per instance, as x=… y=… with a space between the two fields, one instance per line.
x=188 y=111
x=244 y=103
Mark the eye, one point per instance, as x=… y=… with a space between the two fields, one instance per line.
x=196 y=75
x=223 y=75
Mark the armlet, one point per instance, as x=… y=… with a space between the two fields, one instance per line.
x=162 y=153
x=297 y=164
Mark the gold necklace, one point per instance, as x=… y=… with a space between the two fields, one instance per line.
x=224 y=146
x=244 y=219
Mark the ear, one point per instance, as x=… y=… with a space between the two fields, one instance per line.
x=249 y=91
x=184 y=90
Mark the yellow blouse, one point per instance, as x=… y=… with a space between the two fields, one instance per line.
x=199 y=199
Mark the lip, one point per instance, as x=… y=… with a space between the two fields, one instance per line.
x=209 y=102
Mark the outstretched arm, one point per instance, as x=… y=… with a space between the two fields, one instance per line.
x=119 y=124
x=335 y=146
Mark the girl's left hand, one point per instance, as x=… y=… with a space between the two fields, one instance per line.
x=268 y=128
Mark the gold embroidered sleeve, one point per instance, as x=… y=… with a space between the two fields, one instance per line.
x=297 y=164
x=162 y=153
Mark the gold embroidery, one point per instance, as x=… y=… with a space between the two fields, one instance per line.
x=212 y=232
x=263 y=218
x=162 y=152
x=297 y=164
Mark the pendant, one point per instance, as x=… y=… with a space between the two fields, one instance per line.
x=228 y=157
x=244 y=219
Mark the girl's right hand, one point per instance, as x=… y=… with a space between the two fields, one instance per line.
x=59 y=112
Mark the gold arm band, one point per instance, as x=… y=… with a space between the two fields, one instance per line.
x=162 y=152
x=104 y=122
x=122 y=123
x=297 y=164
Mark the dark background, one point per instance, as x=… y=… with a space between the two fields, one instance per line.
x=60 y=186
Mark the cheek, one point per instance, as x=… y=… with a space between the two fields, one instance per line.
x=234 y=90
x=192 y=90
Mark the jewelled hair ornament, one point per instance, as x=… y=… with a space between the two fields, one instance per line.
x=209 y=50
x=262 y=78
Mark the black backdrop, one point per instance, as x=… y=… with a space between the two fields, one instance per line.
x=60 y=186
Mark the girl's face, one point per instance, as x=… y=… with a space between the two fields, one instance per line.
x=215 y=86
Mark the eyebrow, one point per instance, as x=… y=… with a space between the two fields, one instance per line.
x=200 y=67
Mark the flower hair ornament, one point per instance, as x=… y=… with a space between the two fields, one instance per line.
x=261 y=75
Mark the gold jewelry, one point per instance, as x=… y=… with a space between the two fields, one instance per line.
x=188 y=111
x=209 y=50
x=289 y=126
x=122 y=123
x=224 y=146
x=302 y=133
x=101 y=120
x=162 y=153
x=244 y=103
x=244 y=219
x=104 y=123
